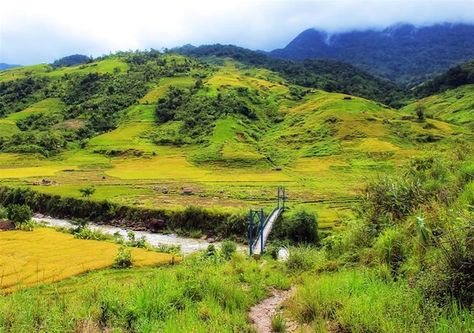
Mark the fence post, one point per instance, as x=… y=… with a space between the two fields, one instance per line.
x=284 y=198
x=262 y=220
x=278 y=198
x=251 y=232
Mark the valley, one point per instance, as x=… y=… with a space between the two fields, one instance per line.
x=126 y=182
x=319 y=146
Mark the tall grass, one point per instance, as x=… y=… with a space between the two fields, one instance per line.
x=362 y=301
x=200 y=295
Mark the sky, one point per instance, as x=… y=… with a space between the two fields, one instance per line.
x=37 y=31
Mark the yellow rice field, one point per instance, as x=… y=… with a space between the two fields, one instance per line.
x=45 y=255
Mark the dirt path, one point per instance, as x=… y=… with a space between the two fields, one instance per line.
x=261 y=314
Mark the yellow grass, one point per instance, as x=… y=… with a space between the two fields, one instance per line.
x=165 y=83
x=45 y=255
x=49 y=170
x=316 y=164
x=176 y=167
x=376 y=145
x=230 y=76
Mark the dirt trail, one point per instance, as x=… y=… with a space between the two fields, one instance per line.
x=261 y=314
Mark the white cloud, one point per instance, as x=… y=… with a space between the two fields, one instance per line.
x=40 y=31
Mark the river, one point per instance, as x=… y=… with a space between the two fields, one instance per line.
x=188 y=245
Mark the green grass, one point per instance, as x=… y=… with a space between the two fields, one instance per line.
x=49 y=105
x=131 y=134
x=103 y=66
x=160 y=89
x=46 y=106
x=367 y=301
x=454 y=106
x=200 y=295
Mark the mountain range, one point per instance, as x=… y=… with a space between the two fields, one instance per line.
x=402 y=53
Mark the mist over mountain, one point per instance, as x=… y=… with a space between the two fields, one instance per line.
x=404 y=53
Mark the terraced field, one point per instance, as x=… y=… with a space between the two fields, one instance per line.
x=321 y=146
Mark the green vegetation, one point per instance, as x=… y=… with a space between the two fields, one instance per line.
x=123 y=258
x=379 y=229
x=454 y=77
x=135 y=124
x=412 y=249
x=202 y=294
x=19 y=214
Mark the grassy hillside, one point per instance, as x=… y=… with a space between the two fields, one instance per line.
x=454 y=106
x=395 y=187
x=134 y=123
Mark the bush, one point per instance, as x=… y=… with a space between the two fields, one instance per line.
x=3 y=213
x=27 y=226
x=390 y=248
x=228 y=248
x=301 y=259
x=123 y=258
x=299 y=227
x=86 y=233
x=19 y=214
x=303 y=227
x=454 y=265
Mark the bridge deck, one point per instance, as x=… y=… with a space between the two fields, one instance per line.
x=257 y=246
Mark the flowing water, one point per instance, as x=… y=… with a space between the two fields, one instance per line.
x=188 y=245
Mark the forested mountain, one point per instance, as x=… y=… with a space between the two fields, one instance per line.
x=454 y=77
x=403 y=53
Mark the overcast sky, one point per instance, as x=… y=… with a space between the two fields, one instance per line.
x=34 y=31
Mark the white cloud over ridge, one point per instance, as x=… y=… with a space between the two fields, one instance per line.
x=41 y=31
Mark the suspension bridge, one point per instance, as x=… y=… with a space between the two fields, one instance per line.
x=260 y=227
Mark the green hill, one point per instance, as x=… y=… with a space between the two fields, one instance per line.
x=132 y=124
x=454 y=106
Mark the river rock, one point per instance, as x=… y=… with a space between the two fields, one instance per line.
x=283 y=254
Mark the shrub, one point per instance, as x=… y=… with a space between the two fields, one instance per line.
x=278 y=323
x=86 y=233
x=19 y=214
x=211 y=251
x=301 y=258
x=228 y=248
x=3 y=213
x=390 y=248
x=300 y=227
x=455 y=262
x=123 y=258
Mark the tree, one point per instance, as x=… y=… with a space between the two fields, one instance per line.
x=19 y=214
x=420 y=112
x=302 y=227
x=87 y=191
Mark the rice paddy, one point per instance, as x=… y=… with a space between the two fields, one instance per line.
x=45 y=255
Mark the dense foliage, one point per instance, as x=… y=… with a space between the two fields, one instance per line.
x=403 y=53
x=185 y=221
x=72 y=60
x=19 y=214
x=198 y=113
x=452 y=78
x=18 y=94
x=332 y=76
